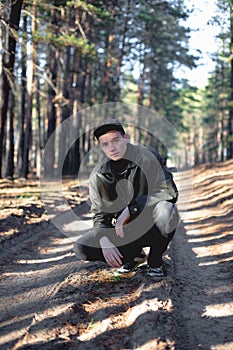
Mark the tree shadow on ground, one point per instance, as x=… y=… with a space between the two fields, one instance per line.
x=202 y=293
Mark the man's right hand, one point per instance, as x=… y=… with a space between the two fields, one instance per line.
x=111 y=254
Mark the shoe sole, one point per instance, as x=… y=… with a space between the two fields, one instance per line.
x=156 y=276
x=133 y=270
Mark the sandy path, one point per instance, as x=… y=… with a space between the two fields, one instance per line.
x=50 y=300
x=31 y=273
x=202 y=256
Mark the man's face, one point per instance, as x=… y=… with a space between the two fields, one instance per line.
x=114 y=144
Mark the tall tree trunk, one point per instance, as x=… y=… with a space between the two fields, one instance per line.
x=109 y=60
x=107 y=78
x=89 y=68
x=221 y=124
x=140 y=97
x=66 y=113
x=123 y=48
x=22 y=102
x=30 y=93
x=10 y=138
x=52 y=117
x=39 y=140
x=74 y=152
x=8 y=67
x=2 y=122
x=230 y=120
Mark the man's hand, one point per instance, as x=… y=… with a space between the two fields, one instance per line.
x=111 y=254
x=121 y=221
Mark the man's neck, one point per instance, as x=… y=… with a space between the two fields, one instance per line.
x=119 y=166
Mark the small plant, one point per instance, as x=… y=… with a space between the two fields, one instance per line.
x=92 y=323
x=116 y=277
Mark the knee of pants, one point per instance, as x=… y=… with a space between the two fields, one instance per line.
x=166 y=217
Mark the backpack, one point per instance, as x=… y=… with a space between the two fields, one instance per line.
x=170 y=184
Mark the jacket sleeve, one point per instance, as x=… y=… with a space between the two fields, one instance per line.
x=159 y=186
x=101 y=220
x=99 y=217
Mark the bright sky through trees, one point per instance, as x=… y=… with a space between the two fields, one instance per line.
x=202 y=38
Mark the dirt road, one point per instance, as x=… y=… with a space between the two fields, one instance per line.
x=202 y=256
x=50 y=300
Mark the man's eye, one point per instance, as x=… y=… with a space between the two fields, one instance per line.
x=104 y=144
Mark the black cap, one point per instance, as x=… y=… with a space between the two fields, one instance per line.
x=102 y=129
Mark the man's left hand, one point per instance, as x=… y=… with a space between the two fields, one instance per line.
x=121 y=221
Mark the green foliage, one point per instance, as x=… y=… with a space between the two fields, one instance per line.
x=71 y=40
x=93 y=10
x=87 y=52
x=66 y=40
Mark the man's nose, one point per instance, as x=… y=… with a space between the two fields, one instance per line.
x=111 y=146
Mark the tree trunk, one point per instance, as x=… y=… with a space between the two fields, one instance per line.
x=22 y=102
x=30 y=93
x=39 y=140
x=8 y=67
x=2 y=122
x=109 y=60
x=140 y=97
x=52 y=117
x=230 y=120
x=74 y=152
x=10 y=138
x=64 y=138
x=123 y=48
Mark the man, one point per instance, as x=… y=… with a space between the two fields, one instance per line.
x=133 y=205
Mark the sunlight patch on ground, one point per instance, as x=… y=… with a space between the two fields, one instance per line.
x=200 y=229
x=218 y=310
x=213 y=250
x=122 y=320
x=44 y=332
x=204 y=239
x=222 y=289
x=14 y=335
x=159 y=344
x=39 y=261
x=77 y=226
x=55 y=250
x=215 y=262
x=113 y=300
x=222 y=173
x=11 y=321
x=196 y=215
x=225 y=346
x=24 y=273
x=53 y=312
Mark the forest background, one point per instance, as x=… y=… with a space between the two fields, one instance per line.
x=60 y=57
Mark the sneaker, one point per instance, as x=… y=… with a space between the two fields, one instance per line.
x=132 y=265
x=155 y=272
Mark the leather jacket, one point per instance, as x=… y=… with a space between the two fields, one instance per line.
x=144 y=182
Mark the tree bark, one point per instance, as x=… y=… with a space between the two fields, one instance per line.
x=52 y=117
x=108 y=77
x=63 y=161
x=30 y=95
x=10 y=138
x=39 y=139
x=74 y=151
x=8 y=67
x=230 y=120
x=22 y=103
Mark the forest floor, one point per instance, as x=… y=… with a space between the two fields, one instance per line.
x=50 y=300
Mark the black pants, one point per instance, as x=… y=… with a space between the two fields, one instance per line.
x=153 y=221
